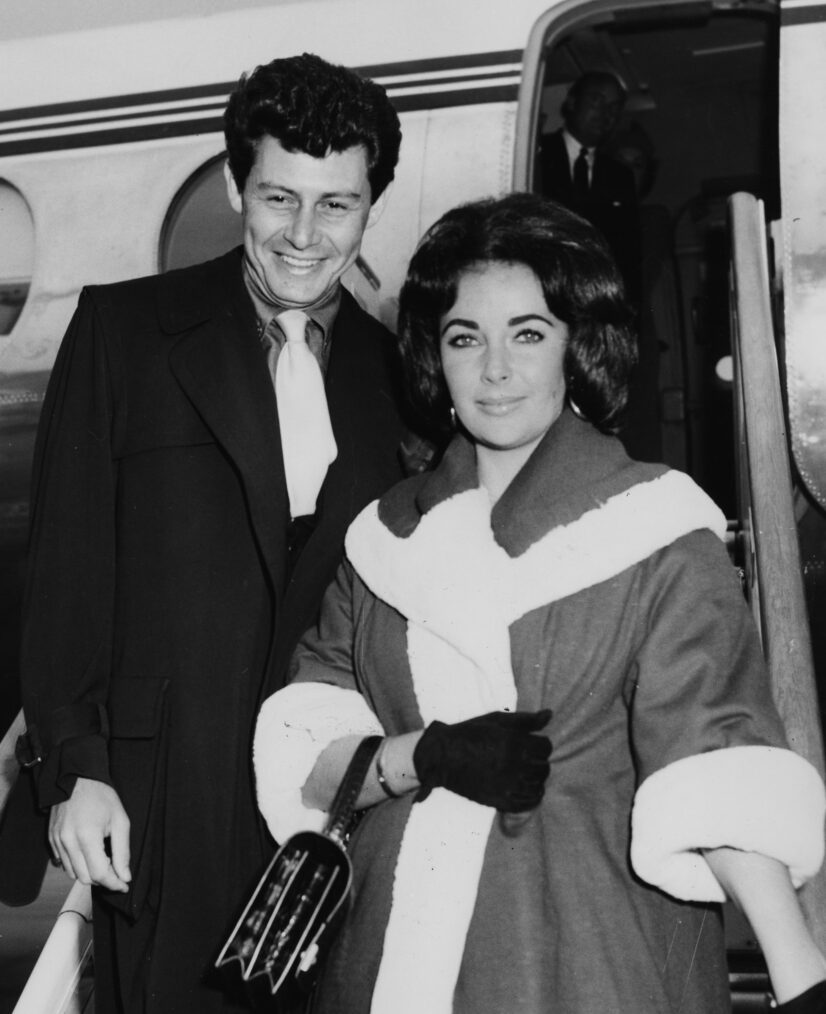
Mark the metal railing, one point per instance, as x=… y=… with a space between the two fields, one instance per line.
x=54 y=986
x=769 y=544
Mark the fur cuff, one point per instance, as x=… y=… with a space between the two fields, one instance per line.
x=294 y=727
x=755 y=798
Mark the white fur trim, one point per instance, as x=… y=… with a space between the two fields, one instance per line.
x=460 y=592
x=452 y=577
x=605 y=541
x=459 y=652
x=434 y=894
x=444 y=577
x=294 y=727
x=437 y=873
x=443 y=847
x=754 y=798
x=449 y=686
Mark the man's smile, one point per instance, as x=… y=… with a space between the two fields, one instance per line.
x=299 y=265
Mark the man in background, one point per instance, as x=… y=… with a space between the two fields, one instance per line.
x=574 y=170
x=206 y=439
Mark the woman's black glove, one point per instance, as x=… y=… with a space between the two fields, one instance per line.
x=813 y=1001
x=496 y=759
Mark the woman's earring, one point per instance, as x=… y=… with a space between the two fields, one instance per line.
x=452 y=417
x=576 y=409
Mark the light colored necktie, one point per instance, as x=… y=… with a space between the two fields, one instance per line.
x=307 y=441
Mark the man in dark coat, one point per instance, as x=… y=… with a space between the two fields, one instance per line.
x=573 y=170
x=171 y=570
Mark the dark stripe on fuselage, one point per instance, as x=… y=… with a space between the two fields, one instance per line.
x=423 y=84
x=218 y=91
x=801 y=14
x=451 y=96
x=441 y=63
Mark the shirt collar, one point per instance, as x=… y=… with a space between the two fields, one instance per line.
x=574 y=147
x=322 y=314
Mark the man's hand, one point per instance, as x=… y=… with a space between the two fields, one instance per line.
x=78 y=829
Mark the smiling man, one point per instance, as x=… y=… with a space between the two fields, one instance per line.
x=207 y=437
x=303 y=221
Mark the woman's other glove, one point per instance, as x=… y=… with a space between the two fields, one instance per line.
x=813 y=1001
x=496 y=759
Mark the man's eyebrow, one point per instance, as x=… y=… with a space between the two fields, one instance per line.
x=282 y=188
x=354 y=195
x=273 y=185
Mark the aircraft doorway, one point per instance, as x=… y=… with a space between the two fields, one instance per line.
x=699 y=123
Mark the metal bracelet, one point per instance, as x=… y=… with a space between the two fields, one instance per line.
x=382 y=779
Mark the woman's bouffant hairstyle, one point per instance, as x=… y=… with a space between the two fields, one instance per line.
x=580 y=281
x=314 y=107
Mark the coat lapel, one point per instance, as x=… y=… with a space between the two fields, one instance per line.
x=221 y=367
x=354 y=392
x=365 y=424
x=219 y=364
x=579 y=512
x=558 y=182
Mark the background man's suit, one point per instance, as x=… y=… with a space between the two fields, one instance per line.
x=611 y=204
x=173 y=507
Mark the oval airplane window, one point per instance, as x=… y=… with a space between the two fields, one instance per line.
x=200 y=223
x=16 y=254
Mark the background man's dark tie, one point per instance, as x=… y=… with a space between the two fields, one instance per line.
x=581 y=173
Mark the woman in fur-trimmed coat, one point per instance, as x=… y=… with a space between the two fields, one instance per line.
x=539 y=570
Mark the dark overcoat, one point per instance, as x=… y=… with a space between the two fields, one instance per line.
x=158 y=608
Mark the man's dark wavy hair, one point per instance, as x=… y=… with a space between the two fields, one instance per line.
x=580 y=281
x=314 y=107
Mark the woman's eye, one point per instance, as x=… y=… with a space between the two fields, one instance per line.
x=462 y=341
x=529 y=336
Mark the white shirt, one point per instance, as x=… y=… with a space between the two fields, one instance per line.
x=574 y=147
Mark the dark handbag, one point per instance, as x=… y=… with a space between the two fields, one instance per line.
x=285 y=932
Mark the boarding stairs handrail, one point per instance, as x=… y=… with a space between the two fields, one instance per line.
x=768 y=538
x=52 y=987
